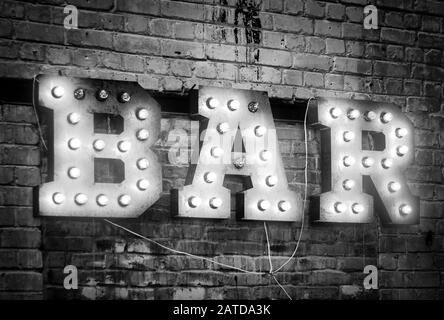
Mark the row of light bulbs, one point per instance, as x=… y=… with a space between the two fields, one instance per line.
x=353 y=114
x=392 y=186
x=368 y=162
x=81 y=199
x=79 y=94
x=210 y=177
x=356 y=208
x=214 y=203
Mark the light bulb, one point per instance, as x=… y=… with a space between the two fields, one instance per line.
x=367 y=162
x=340 y=207
x=348 y=161
x=335 y=112
x=212 y=103
x=58 y=198
x=102 y=94
x=405 y=209
x=217 y=152
x=348 y=184
x=271 y=181
x=370 y=115
x=386 y=117
x=263 y=205
x=394 y=186
x=259 y=131
x=81 y=198
x=215 y=203
x=233 y=105
x=194 y=201
x=284 y=205
x=124 y=200
x=265 y=155
x=210 y=177
x=124 y=97
x=74 y=173
x=401 y=132
x=79 y=94
x=142 y=114
x=58 y=92
x=223 y=127
x=353 y=114
x=73 y=117
x=124 y=146
x=143 y=163
x=253 y=106
x=348 y=136
x=402 y=150
x=386 y=163
x=74 y=143
x=143 y=184
x=357 y=208
x=99 y=145
x=102 y=200
x=143 y=134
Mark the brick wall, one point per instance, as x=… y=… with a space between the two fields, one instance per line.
x=291 y=49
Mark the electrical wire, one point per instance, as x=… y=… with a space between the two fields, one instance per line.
x=305 y=190
x=281 y=286
x=34 y=80
x=182 y=252
x=268 y=247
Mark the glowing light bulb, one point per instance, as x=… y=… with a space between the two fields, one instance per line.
x=367 y=162
x=233 y=105
x=124 y=146
x=74 y=143
x=394 y=186
x=212 y=103
x=263 y=205
x=217 y=152
x=102 y=94
x=401 y=132
x=143 y=163
x=259 y=131
x=335 y=112
x=386 y=163
x=271 y=181
x=348 y=161
x=143 y=184
x=284 y=205
x=370 y=115
x=194 y=201
x=353 y=114
x=74 y=173
x=124 y=200
x=73 y=117
x=58 y=92
x=143 y=134
x=210 y=177
x=58 y=198
x=102 y=200
x=405 y=209
x=340 y=207
x=402 y=150
x=215 y=203
x=265 y=155
x=386 y=117
x=357 y=208
x=99 y=145
x=124 y=97
x=348 y=136
x=142 y=114
x=81 y=198
x=223 y=127
x=348 y=184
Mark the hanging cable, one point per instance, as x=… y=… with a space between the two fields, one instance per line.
x=34 y=80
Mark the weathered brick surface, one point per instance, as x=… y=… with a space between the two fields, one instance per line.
x=290 y=48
